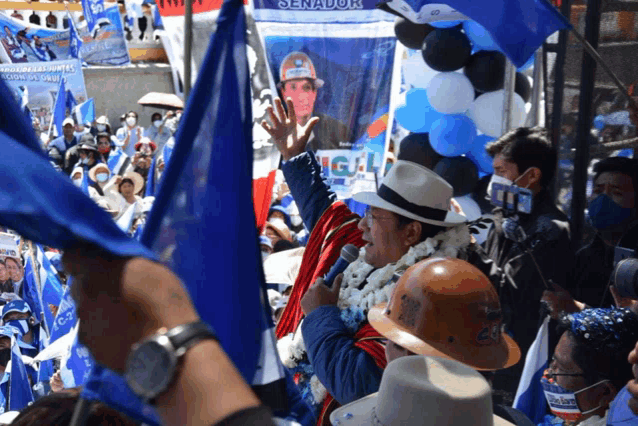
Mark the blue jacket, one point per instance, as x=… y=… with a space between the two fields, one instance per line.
x=347 y=372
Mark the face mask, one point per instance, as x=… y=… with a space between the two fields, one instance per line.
x=102 y=177
x=178 y=115
x=131 y=121
x=77 y=182
x=563 y=402
x=603 y=212
x=101 y=127
x=157 y=123
x=85 y=160
x=21 y=325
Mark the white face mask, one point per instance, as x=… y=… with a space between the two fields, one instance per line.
x=102 y=177
x=131 y=121
x=77 y=182
x=157 y=123
x=101 y=127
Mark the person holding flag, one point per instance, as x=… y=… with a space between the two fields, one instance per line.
x=15 y=389
x=60 y=145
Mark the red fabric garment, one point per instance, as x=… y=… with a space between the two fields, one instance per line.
x=368 y=339
x=337 y=227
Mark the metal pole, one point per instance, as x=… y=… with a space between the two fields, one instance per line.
x=533 y=118
x=581 y=161
x=188 y=44
x=559 y=78
x=508 y=98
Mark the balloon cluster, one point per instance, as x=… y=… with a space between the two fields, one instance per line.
x=457 y=94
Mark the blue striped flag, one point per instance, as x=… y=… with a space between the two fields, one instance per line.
x=46 y=299
x=59 y=108
x=75 y=42
x=530 y=398
x=85 y=112
x=20 y=394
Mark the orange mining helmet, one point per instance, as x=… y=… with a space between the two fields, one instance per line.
x=298 y=65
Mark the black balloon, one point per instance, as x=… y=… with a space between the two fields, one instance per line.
x=446 y=49
x=486 y=70
x=460 y=172
x=410 y=34
x=523 y=86
x=416 y=148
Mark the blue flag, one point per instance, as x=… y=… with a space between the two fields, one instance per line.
x=70 y=100
x=59 y=108
x=204 y=209
x=75 y=42
x=46 y=300
x=519 y=27
x=93 y=11
x=20 y=394
x=530 y=398
x=85 y=112
x=76 y=368
x=66 y=317
x=150 y=180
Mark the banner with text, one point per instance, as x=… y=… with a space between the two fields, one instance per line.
x=345 y=79
x=40 y=81
x=25 y=42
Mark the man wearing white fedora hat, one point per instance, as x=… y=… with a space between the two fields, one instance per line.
x=335 y=355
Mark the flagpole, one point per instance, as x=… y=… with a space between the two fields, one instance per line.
x=38 y=283
x=188 y=42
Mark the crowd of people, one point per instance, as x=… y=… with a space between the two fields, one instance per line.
x=119 y=169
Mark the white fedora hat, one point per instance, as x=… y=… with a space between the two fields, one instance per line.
x=415 y=192
x=418 y=390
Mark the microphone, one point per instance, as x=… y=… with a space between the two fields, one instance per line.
x=349 y=253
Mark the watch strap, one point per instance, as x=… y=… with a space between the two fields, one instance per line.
x=185 y=336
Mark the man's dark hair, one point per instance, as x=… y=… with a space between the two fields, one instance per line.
x=527 y=147
x=57 y=409
x=427 y=230
x=310 y=80
x=603 y=339
x=14 y=260
x=125 y=180
x=132 y=112
x=156 y=114
x=626 y=166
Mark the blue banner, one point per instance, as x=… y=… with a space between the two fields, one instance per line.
x=105 y=45
x=346 y=82
x=42 y=80
x=320 y=11
x=65 y=318
x=93 y=11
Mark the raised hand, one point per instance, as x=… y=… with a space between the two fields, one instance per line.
x=289 y=137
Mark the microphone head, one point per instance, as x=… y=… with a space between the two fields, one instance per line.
x=350 y=253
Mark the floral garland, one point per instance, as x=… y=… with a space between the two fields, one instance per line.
x=355 y=303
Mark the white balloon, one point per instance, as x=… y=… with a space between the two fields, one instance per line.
x=416 y=72
x=487 y=112
x=450 y=93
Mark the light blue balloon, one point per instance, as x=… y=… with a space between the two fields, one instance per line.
x=479 y=36
x=411 y=119
x=444 y=24
x=452 y=135
x=599 y=122
x=479 y=155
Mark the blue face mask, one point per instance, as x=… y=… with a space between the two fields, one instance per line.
x=603 y=212
x=22 y=325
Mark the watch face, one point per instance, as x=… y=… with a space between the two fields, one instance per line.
x=150 y=368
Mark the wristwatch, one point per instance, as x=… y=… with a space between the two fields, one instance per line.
x=152 y=363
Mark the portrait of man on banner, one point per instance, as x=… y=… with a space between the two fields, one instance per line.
x=298 y=81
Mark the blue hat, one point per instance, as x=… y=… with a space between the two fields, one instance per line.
x=16 y=306
x=282 y=209
x=265 y=241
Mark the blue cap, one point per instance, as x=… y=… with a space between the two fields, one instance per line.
x=282 y=209
x=16 y=306
x=265 y=241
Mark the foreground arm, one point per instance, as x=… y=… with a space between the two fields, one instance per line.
x=113 y=293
